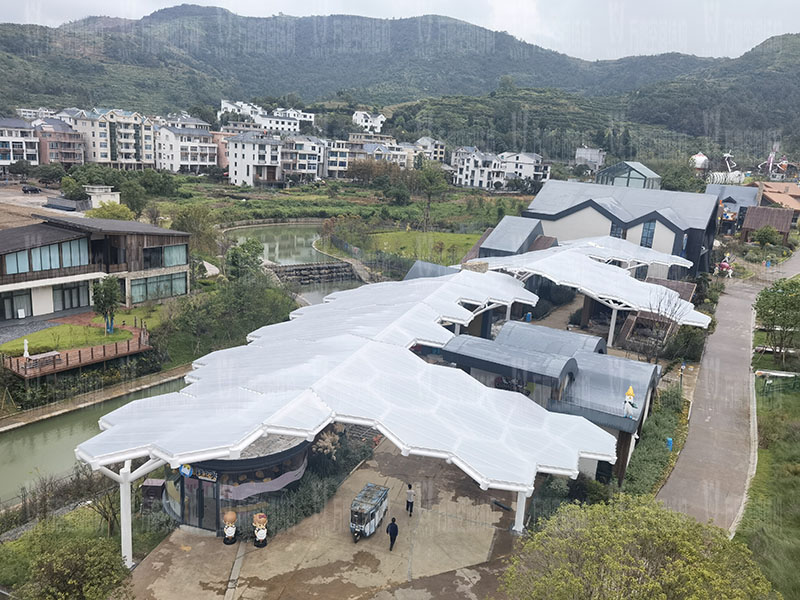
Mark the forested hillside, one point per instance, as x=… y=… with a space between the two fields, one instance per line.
x=180 y=55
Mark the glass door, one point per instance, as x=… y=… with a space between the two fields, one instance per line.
x=207 y=503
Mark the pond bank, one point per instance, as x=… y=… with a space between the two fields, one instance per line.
x=40 y=413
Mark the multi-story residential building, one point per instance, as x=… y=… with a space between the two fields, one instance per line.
x=478 y=169
x=118 y=138
x=433 y=149
x=366 y=137
x=337 y=158
x=48 y=267
x=390 y=153
x=239 y=108
x=35 y=113
x=220 y=138
x=369 y=121
x=254 y=158
x=293 y=113
x=185 y=149
x=303 y=156
x=18 y=141
x=58 y=142
x=593 y=157
x=182 y=120
x=524 y=165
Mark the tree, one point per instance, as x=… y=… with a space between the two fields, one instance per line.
x=152 y=213
x=433 y=183
x=21 y=167
x=75 y=568
x=134 y=197
x=47 y=174
x=111 y=210
x=106 y=297
x=633 y=548
x=778 y=312
x=197 y=220
x=244 y=259
x=399 y=195
x=71 y=189
x=334 y=189
x=767 y=235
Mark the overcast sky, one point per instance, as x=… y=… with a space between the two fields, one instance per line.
x=590 y=29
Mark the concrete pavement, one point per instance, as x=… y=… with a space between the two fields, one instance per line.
x=455 y=526
x=712 y=474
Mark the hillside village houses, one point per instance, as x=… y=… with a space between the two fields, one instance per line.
x=369 y=121
x=485 y=170
x=35 y=113
x=260 y=149
x=18 y=141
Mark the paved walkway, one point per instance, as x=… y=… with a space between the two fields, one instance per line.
x=713 y=472
x=455 y=526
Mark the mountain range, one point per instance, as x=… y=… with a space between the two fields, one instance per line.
x=187 y=55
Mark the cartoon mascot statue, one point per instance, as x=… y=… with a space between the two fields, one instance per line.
x=229 y=518
x=260 y=530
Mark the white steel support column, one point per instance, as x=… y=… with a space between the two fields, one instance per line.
x=125 y=514
x=508 y=312
x=612 y=327
x=458 y=329
x=519 y=516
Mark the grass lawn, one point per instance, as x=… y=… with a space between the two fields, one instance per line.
x=421 y=245
x=150 y=314
x=63 y=337
x=771 y=522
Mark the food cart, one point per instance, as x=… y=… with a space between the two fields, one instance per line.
x=367 y=510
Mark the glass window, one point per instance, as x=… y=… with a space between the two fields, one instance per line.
x=17 y=262
x=617 y=231
x=175 y=255
x=648 y=231
x=178 y=284
x=153 y=257
x=138 y=290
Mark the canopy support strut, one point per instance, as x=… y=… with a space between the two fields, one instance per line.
x=611 y=327
x=519 y=516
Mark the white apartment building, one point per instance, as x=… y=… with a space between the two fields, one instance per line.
x=240 y=108
x=368 y=121
x=524 y=165
x=262 y=120
x=390 y=153
x=117 y=138
x=303 y=156
x=478 y=169
x=293 y=113
x=431 y=148
x=254 y=158
x=185 y=149
x=35 y=113
x=18 y=141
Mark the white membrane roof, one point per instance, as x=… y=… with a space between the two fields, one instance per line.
x=347 y=360
x=611 y=285
x=607 y=248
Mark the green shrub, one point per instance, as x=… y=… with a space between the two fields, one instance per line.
x=687 y=343
x=542 y=309
x=560 y=295
x=575 y=317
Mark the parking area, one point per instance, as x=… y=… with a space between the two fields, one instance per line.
x=455 y=525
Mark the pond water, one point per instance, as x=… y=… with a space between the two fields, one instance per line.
x=48 y=447
x=285 y=244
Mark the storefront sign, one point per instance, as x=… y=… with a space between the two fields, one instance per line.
x=186 y=470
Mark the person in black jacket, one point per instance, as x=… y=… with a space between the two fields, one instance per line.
x=392 y=530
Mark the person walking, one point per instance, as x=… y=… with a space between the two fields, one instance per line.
x=410 y=500
x=392 y=530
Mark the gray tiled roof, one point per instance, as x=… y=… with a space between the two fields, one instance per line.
x=686 y=210
x=32 y=236
x=425 y=269
x=740 y=194
x=14 y=123
x=511 y=234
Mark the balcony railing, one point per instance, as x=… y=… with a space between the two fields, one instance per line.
x=49 y=274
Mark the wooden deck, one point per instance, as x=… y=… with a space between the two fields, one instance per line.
x=79 y=357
